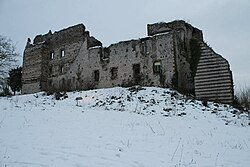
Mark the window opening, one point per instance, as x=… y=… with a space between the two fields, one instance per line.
x=52 y=55
x=136 y=73
x=114 y=72
x=136 y=70
x=62 y=53
x=61 y=69
x=157 y=67
x=96 y=75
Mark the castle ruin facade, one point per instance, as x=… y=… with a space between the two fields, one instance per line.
x=172 y=55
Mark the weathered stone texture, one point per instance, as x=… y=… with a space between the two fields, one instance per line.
x=71 y=59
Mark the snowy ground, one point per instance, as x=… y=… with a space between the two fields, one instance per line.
x=118 y=127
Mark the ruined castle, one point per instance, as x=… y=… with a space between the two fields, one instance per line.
x=173 y=55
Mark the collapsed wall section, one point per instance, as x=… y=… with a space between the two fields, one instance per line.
x=147 y=61
x=177 y=25
x=50 y=56
x=183 y=34
x=173 y=55
x=198 y=69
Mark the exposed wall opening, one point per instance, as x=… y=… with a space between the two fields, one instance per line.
x=96 y=75
x=136 y=70
x=157 y=67
x=106 y=53
x=137 y=73
x=114 y=72
x=52 y=56
x=133 y=47
x=61 y=69
x=62 y=52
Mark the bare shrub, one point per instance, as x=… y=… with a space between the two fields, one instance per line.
x=244 y=97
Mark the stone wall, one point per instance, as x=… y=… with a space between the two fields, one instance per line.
x=162 y=27
x=71 y=59
x=32 y=69
x=43 y=58
x=122 y=57
x=183 y=33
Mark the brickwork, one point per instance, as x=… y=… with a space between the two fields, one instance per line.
x=213 y=79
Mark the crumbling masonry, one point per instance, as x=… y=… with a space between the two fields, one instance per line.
x=173 y=55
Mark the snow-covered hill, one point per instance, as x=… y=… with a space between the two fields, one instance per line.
x=121 y=127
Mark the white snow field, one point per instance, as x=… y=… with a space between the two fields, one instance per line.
x=121 y=127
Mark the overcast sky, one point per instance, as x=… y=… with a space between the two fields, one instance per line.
x=225 y=23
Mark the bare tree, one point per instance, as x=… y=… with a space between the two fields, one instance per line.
x=8 y=58
x=8 y=55
x=244 y=97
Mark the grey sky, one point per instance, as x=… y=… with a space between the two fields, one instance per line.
x=225 y=23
